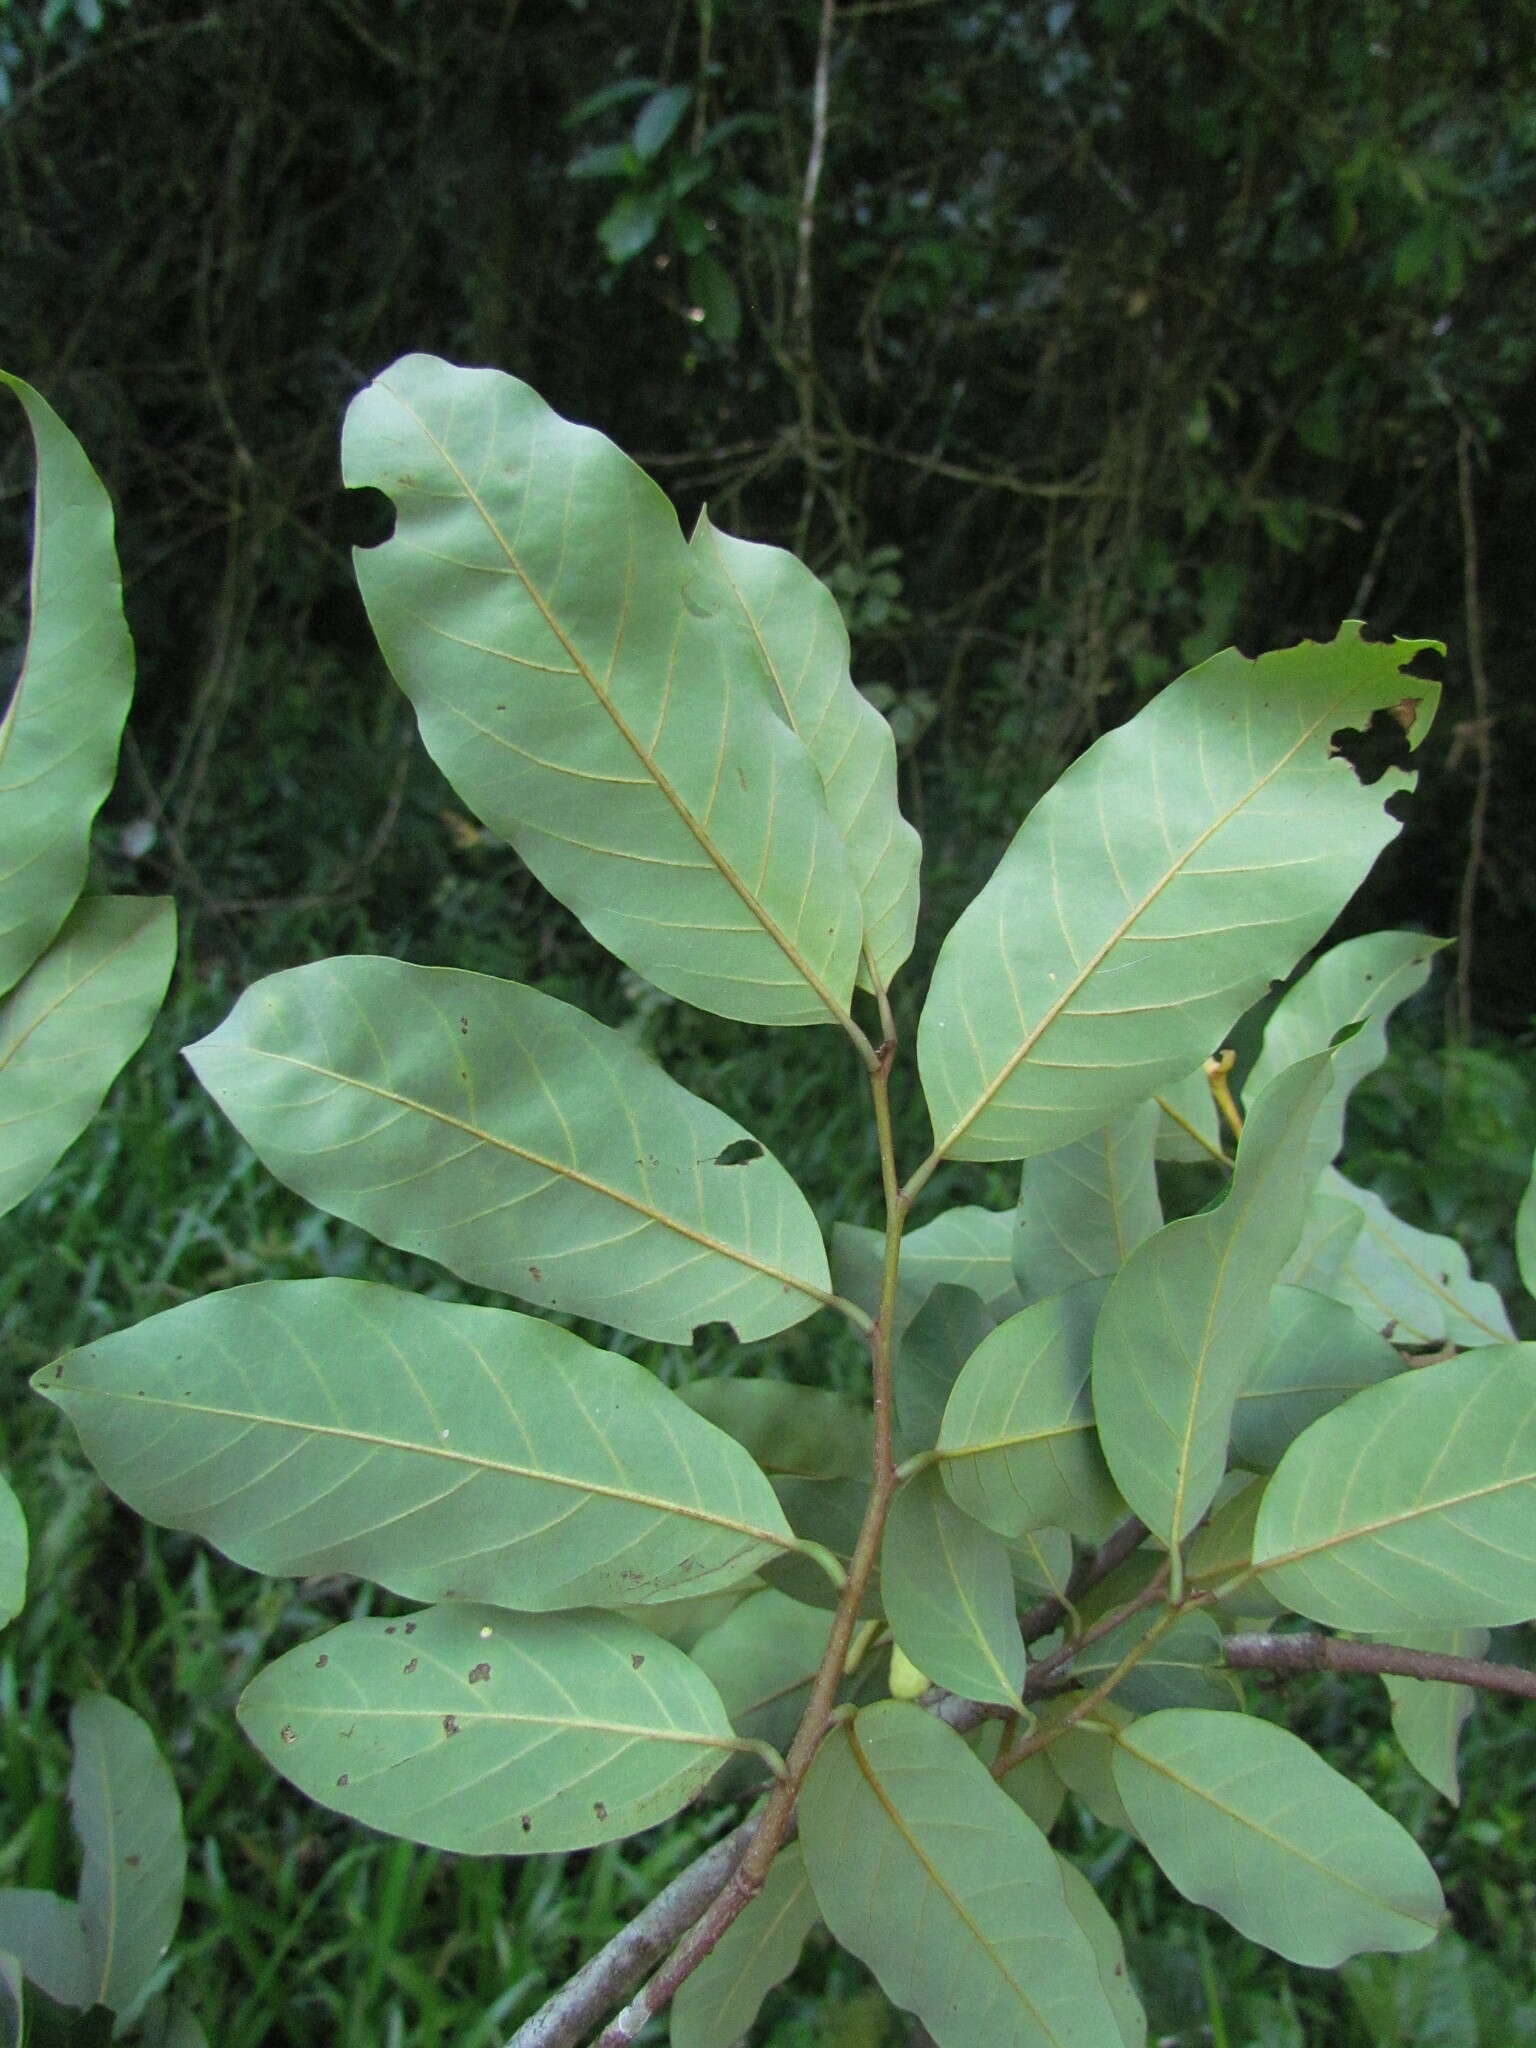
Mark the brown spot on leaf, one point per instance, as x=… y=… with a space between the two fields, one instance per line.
x=391 y=1630
x=479 y=1674
x=409 y=1668
x=341 y=1782
x=410 y=1628
x=450 y=1724
x=637 y=1658
x=133 y=1862
x=286 y=1733
x=534 y=1273
x=321 y=1661
x=599 y=1809
x=526 y=1823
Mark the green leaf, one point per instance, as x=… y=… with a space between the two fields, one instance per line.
x=713 y=290
x=491 y=1734
x=1182 y=1669
x=72 y=1021
x=1041 y=1561
x=60 y=731
x=1317 y=1353
x=716 y=2006
x=761 y=1660
x=1018 y=1449
x=1185 y=1318
x=1032 y=1785
x=1084 y=1209
x=1428 y=1715
x=1414 y=1286
x=1222 y=1549
x=13 y=2013
x=1086 y=1908
x=1413 y=1505
x=945 y=1332
x=802 y=646
x=965 y=1247
x=582 y=691
x=931 y=1876
x=1358 y=983
x=657 y=120
x=45 y=1934
x=1525 y=1235
x=13 y=1555
x=791 y=1432
x=1329 y=1231
x=1178 y=867
x=127 y=1813
x=829 y=1512
x=1082 y=1756
x=518 y=1142
x=948 y=1594
x=448 y=1452
x=629 y=226
x=1243 y=1817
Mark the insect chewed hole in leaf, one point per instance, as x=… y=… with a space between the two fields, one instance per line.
x=738 y=1152
x=1381 y=745
x=701 y=1334
x=367 y=517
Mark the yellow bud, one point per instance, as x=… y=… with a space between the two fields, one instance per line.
x=907 y=1682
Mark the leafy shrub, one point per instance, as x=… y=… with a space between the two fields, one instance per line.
x=1102 y=1452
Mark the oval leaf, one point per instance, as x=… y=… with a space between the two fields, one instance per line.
x=1428 y=1715
x=1412 y=1285
x=488 y=1733
x=1316 y=1354
x=1243 y=1817
x=716 y=2006
x=1083 y=1210
x=948 y=1593
x=1358 y=983
x=1413 y=1505
x=1184 y=862
x=60 y=731
x=518 y=1142
x=127 y=1813
x=448 y=1452
x=70 y=1024
x=13 y=1557
x=1185 y=1318
x=44 y=1934
x=802 y=644
x=1018 y=1449
x=590 y=698
x=932 y=1876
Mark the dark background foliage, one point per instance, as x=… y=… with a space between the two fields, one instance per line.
x=1111 y=332
x=1070 y=342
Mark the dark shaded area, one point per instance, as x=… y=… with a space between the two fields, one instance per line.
x=1116 y=332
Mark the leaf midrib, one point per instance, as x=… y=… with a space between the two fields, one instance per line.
x=373 y=1440
x=1279 y=1842
x=702 y=838
x=940 y=1885
x=1414 y=1514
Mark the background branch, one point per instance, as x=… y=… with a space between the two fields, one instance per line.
x=1290 y=1654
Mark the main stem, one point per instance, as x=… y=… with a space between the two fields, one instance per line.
x=746 y=1881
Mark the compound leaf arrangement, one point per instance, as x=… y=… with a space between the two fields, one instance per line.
x=1108 y=1463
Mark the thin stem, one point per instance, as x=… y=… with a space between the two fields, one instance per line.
x=618 y=1967
x=1291 y=1654
x=1044 y=1737
x=1217 y=1073
x=1189 y=1131
x=746 y=1880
